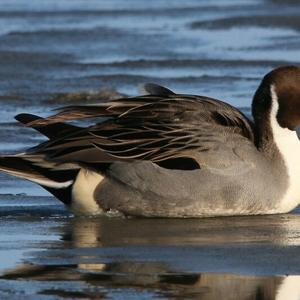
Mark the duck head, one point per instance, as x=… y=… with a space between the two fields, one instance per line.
x=278 y=96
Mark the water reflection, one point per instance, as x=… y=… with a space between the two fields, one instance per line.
x=169 y=259
x=158 y=278
x=107 y=232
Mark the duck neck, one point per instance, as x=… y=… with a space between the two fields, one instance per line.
x=273 y=140
x=264 y=110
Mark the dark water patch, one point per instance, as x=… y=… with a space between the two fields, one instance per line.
x=23 y=197
x=217 y=63
x=212 y=86
x=284 y=2
x=22 y=57
x=12 y=98
x=137 y=79
x=33 y=211
x=284 y=21
x=167 y=11
x=86 y=97
x=69 y=33
x=116 y=8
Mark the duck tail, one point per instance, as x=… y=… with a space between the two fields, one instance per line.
x=57 y=179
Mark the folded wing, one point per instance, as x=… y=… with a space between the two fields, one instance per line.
x=169 y=129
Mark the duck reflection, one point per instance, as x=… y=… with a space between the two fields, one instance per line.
x=280 y=230
x=75 y=258
x=161 y=279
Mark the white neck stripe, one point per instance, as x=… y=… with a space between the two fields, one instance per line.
x=289 y=147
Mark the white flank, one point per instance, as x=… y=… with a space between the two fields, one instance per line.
x=83 y=200
x=289 y=289
x=288 y=144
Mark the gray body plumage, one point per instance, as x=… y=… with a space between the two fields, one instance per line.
x=243 y=183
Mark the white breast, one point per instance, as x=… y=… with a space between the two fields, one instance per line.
x=289 y=288
x=83 y=200
x=288 y=144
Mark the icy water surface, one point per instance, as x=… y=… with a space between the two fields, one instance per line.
x=219 y=48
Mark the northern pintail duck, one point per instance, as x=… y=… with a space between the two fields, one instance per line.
x=172 y=155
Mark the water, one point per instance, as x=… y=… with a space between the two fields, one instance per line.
x=215 y=48
x=224 y=258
